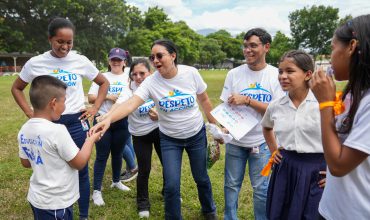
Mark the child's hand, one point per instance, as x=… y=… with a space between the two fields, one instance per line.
x=278 y=157
x=112 y=97
x=95 y=136
x=153 y=114
x=100 y=127
x=322 y=182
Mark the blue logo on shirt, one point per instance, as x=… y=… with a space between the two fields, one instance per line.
x=144 y=108
x=257 y=92
x=176 y=101
x=67 y=77
x=32 y=156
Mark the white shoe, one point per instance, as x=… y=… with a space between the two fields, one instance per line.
x=98 y=198
x=144 y=214
x=120 y=186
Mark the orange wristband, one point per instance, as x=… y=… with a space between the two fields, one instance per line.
x=327 y=104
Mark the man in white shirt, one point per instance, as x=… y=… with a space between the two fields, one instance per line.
x=253 y=84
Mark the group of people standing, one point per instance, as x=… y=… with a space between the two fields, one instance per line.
x=316 y=173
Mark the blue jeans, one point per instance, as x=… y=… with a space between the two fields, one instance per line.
x=196 y=148
x=78 y=135
x=112 y=141
x=235 y=163
x=129 y=155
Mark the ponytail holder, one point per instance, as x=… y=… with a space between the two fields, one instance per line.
x=337 y=104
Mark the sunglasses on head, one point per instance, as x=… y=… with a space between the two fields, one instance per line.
x=158 y=56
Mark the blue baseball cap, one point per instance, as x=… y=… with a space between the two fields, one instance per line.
x=117 y=53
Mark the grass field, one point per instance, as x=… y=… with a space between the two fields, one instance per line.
x=14 y=179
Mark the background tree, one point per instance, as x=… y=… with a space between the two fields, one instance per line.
x=210 y=52
x=312 y=28
x=279 y=45
x=231 y=46
x=99 y=24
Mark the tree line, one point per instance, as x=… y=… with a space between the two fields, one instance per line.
x=103 y=24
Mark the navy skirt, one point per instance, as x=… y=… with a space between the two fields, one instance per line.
x=293 y=191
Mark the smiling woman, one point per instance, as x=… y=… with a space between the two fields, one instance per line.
x=70 y=68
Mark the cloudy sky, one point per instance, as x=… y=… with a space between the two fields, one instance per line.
x=239 y=15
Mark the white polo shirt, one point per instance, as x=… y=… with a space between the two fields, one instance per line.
x=297 y=129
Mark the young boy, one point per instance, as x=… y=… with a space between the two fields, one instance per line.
x=50 y=151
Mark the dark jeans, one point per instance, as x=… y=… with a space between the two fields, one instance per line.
x=143 y=146
x=113 y=142
x=196 y=148
x=47 y=214
x=78 y=135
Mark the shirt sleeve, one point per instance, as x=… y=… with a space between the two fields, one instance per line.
x=94 y=89
x=144 y=89
x=227 y=89
x=66 y=147
x=26 y=72
x=266 y=120
x=201 y=85
x=358 y=137
x=90 y=70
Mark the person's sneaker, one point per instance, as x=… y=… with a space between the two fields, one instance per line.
x=130 y=175
x=120 y=186
x=144 y=214
x=98 y=198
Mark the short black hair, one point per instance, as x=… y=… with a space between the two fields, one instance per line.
x=58 y=23
x=44 y=89
x=301 y=59
x=260 y=33
x=169 y=45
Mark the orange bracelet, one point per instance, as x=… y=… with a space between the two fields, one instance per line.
x=326 y=104
x=338 y=105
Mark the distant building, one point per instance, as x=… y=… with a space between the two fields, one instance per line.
x=13 y=62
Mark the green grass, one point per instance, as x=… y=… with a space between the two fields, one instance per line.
x=14 y=179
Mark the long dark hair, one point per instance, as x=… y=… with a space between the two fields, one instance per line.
x=359 y=67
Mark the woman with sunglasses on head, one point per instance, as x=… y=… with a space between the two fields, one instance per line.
x=175 y=90
x=70 y=68
x=143 y=125
x=345 y=138
x=117 y=135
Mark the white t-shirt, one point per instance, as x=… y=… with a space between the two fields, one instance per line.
x=48 y=147
x=298 y=129
x=117 y=85
x=176 y=101
x=260 y=85
x=69 y=69
x=348 y=197
x=139 y=122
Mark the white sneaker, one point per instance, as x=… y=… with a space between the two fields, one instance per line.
x=120 y=186
x=144 y=214
x=98 y=198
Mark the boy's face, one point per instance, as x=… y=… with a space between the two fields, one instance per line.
x=58 y=106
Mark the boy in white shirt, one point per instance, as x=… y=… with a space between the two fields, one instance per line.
x=49 y=150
